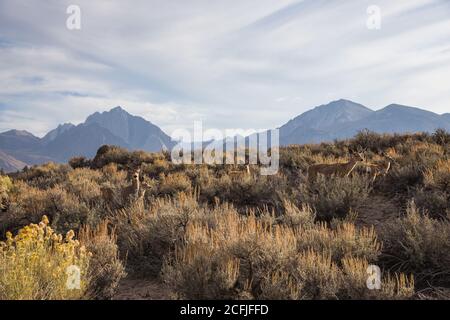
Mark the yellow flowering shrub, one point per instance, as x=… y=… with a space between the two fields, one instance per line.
x=5 y=183
x=39 y=264
x=5 y=187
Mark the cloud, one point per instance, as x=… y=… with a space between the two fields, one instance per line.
x=248 y=64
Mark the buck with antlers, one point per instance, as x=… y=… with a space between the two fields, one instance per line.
x=379 y=169
x=338 y=169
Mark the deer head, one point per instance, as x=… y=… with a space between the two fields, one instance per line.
x=358 y=157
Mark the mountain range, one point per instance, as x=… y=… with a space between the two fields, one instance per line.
x=336 y=120
x=343 y=119
x=114 y=127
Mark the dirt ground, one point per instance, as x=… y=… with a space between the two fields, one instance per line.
x=376 y=210
x=141 y=289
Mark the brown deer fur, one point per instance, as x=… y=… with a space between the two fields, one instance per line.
x=339 y=169
x=379 y=169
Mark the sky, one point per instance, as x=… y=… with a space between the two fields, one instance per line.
x=251 y=64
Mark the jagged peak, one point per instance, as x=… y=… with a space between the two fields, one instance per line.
x=22 y=133
x=118 y=109
x=66 y=125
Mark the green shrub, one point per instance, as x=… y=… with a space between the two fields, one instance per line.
x=436 y=203
x=120 y=156
x=145 y=237
x=173 y=183
x=6 y=186
x=334 y=197
x=64 y=209
x=402 y=178
x=45 y=176
x=79 y=162
x=105 y=268
x=420 y=245
x=441 y=137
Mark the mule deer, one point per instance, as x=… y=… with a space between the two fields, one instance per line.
x=131 y=193
x=239 y=173
x=339 y=169
x=379 y=169
x=135 y=190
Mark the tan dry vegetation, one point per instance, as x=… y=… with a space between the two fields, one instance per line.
x=200 y=232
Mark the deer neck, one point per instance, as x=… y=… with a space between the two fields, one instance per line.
x=351 y=165
x=135 y=184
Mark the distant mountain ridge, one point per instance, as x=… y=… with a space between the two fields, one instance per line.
x=136 y=132
x=339 y=119
x=53 y=134
x=114 y=127
x=9 y=163
x=342 y=119
x=316 y=125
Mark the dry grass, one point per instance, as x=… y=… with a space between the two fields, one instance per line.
x=106 y=270
x=245 y=257
x=213 y=234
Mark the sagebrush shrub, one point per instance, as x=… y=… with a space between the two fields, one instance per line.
x=173 y=183
x=105 y=268
x=6 y=186
x=334 y=196
x=44 y=176
x=145 y=237
x=438 y=176
x=420 y=245
x=237 y=256
x=436 y=203
x=65 y=209
x=79 y=162
x=441 y=137
x=243 y=191
x=158 y=166
x=402 y=178
x=85 y=184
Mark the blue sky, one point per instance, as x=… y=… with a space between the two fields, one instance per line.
x=233 y=64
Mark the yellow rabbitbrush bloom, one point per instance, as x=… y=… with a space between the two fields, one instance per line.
x=36 y=264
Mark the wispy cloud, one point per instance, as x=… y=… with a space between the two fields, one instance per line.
x=248 y=64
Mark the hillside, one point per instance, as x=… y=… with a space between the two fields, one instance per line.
x=208 y=231
x=9 y=163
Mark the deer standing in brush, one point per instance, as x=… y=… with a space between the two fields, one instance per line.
x=379 y=169
x=338 y=169
x=240 y=173
x=133 y=192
